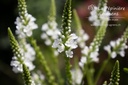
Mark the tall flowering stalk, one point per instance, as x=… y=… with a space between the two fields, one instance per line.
x=118 y=46
x=25 y=25
x=19 y=62
x=49 y=29
x=77 y=73
x=51 y=32
x=67 y=40
x=82 y=35
x=90 y=54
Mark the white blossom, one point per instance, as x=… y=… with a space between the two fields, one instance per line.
x=82 y=38
x=96 y=18
x=50 y=32
x=17 y=66
x=69 y=53
x=28 y=56
x=94 y=55
x=83 y=60
x=76 y=76
x=72 y=41
x=38 y=77
x=113 y=54
x=107 y=48
x=24 y=28
x=32 y=83
x=59 y=45
x=116 y=47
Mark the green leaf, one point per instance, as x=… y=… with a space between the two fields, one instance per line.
x=125 y=70
x=42 y=60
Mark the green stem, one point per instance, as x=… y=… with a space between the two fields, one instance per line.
x=56 y=71
x=67 y=69
x=89 y=75
x=50 y=77
x=101 y=70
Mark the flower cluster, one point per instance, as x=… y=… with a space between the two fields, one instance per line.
x=116 y=47
x=82 y=38
x=89 y=55
x=24 y=28
x=50 y=32
x=28 y=56
x=98 y=15
x=38 y=77
x=71 y=43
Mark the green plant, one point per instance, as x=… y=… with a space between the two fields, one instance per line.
x=31 y=62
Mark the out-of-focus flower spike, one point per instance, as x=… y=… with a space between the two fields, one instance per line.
x=52 y=13
x=101 y=3
x=83 y=37
x=125 y=35
x=77 y=20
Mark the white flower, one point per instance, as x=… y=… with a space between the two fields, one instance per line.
x=50 y=32
x=45 y=27
x=122 y=53
x=96 y=18
x=17 y=66
x=28 y=57
x=116 y=47
x=107 y=48
x=69 y=53
x=76 y=76
x=32 y=83
x=59 y=45
x=83 y=60
x=82 y=38
x=24 y=28
x=72 y=41
x=85 y=50
x=94 y=55
x=38 y=77
x=113 y=54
